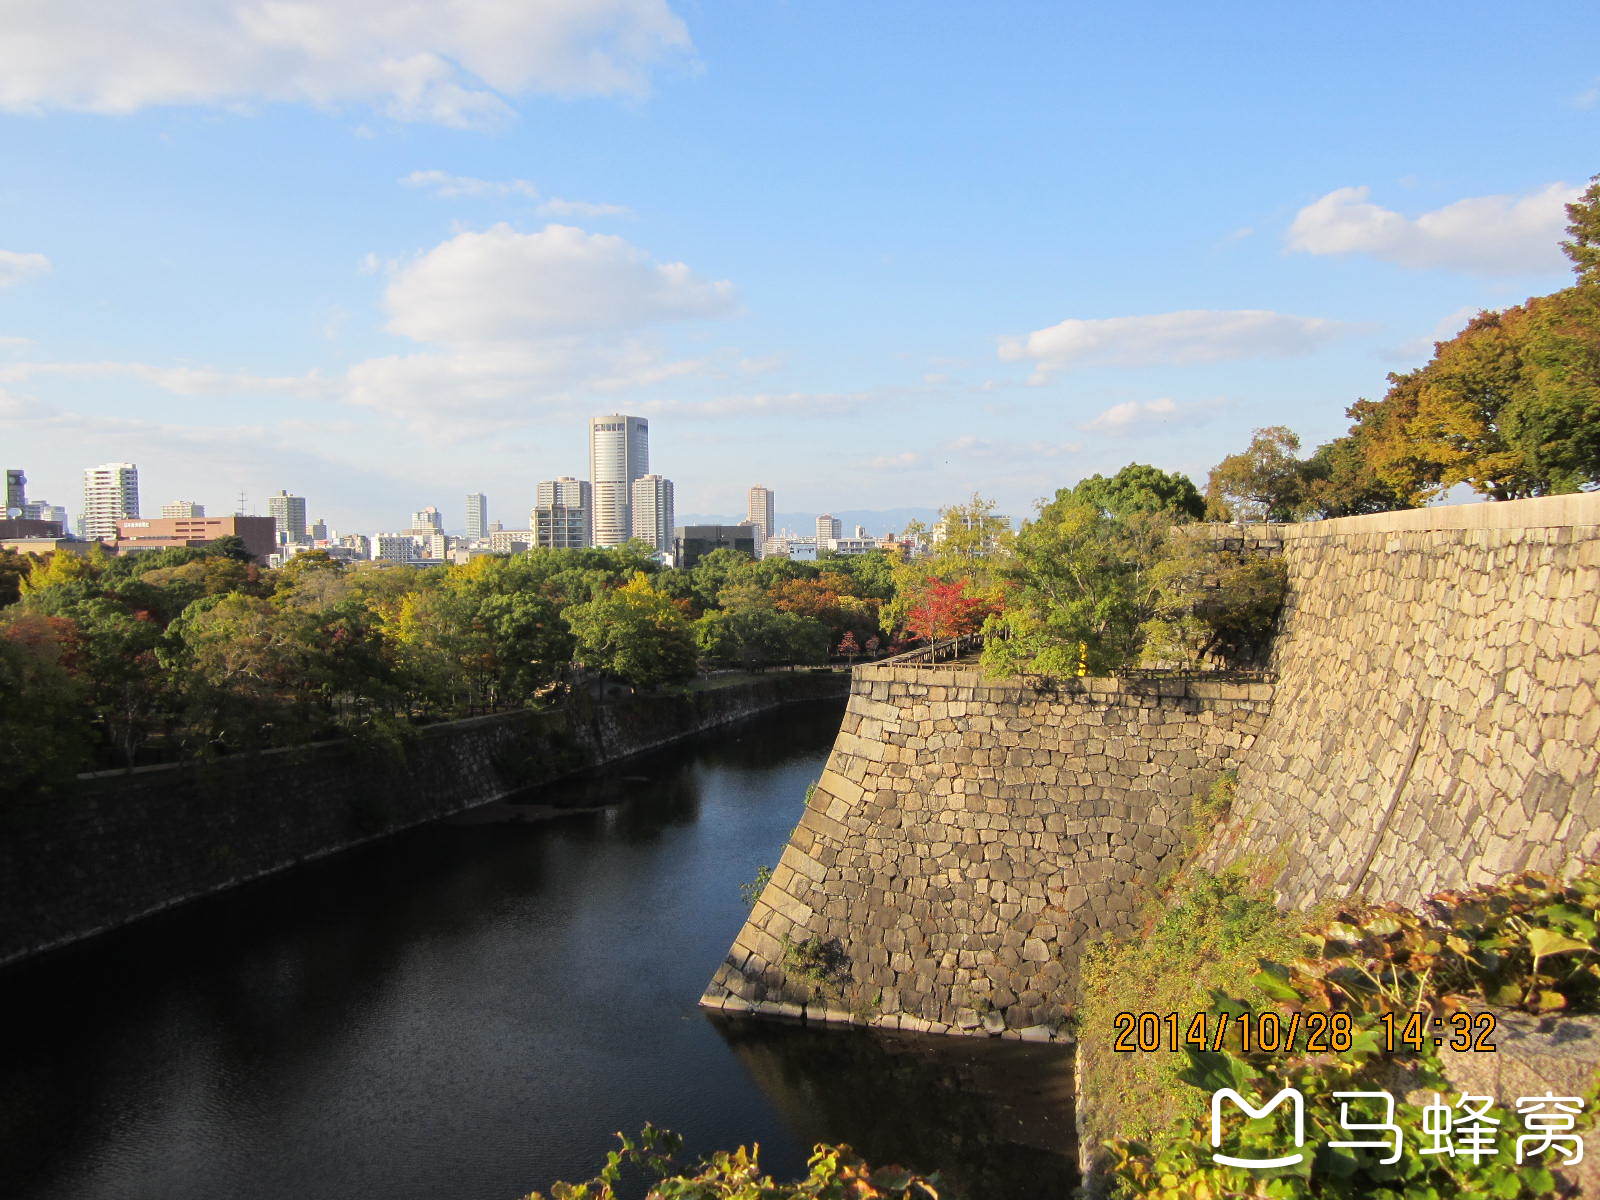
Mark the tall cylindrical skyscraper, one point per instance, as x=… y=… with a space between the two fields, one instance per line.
x=619 y=453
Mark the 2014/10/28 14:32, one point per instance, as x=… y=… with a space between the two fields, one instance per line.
x=1311 y=1033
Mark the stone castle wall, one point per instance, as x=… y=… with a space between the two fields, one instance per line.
x=967 y=838
x=1434 y=723
x=126 y=844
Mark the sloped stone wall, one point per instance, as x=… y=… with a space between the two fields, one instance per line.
x=1436 y=722
x=968 y=837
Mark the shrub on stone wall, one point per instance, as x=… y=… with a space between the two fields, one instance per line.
x=1528 y=943
x=834 y=1172
x=1206 y=936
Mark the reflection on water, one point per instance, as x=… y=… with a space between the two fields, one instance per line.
x=471 y=1009
x=993 y=1117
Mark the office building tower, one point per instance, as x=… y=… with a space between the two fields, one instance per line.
x=110 y=494
x=319 y=530
x=16 y=490
x=290 y=514
x=828 y=528
x=619 y=452
x=760 y=515
x=182 y=510
x=426 y=521
x=562 y=514
x=652 y=511
x=477 y=516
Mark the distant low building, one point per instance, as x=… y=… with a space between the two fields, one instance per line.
x=259 y=534
x=22 y=527
x=393 y=547
x=691 y=543
x=510 y=541
x=182 y=508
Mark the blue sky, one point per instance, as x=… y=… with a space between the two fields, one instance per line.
x=867 y=255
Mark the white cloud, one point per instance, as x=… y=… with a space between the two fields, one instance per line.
x=441 y=183
x=517 y=323
x=766 y=404
x=557 y=207
x=893 y=462
x=1176 y=338
x=503 y=286
x=453 y=62
x=1487 y=235
x=16 y=266
x=1589 y=97
x=180 y=380
x=972 y=446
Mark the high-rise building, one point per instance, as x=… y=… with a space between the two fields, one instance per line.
x=761 y=516
x=43 y=510
x=110 y=494
x=652 y=511
x=16 y=490
x=619 y=452
x=290 y=514
x=477 y=516
x=182 y=510
x=426 y=521
x=319 y=530
x=828 y=528
x=562 y=514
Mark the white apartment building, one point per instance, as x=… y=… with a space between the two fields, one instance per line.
x=183 y=510
x=290 y=514
x=511 y=541
x=393 y=547
x=652 y=511
x=110 y=494
x=619 y=453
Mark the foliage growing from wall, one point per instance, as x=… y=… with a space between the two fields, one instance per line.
x=833 y=1173
x=1529 y=942
x=1211 y=605
x=1208 y=935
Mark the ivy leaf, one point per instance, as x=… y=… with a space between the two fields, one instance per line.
x=1545 y=942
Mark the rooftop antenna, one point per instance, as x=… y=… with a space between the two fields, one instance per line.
x=240 y=513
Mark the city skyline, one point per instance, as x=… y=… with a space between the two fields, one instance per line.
x=896 y=273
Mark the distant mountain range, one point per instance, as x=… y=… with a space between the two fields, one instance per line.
x=877 y=521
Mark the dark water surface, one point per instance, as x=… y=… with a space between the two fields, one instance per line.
x=471 y=1009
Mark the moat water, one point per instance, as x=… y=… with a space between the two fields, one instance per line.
x=468 y=1011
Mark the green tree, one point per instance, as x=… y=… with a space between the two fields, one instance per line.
x=1583 y=247
x=1141 y=488
x=756 y=638
x=1264 y=482
x=635 y=633
x=1340 y=482
x=44 y=739
x=1211 y=606
x=1080 y=590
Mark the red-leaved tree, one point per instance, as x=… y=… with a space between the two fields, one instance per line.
x=946 y=610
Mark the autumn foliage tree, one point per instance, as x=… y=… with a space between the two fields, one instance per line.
x=947 y=609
